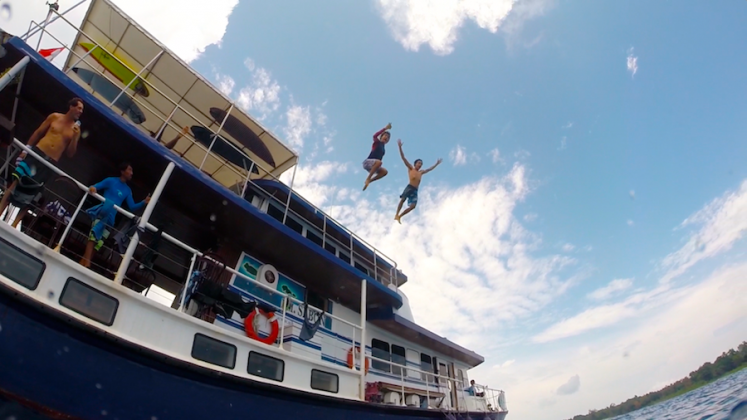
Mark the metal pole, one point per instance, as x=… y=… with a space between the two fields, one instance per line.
x=13 y=72
x=290 y=192
x=215 y=136
x=137 y=77
x=324 y=232
x=69 y=225
x=83 y=57
x=29 y=34
x=246 y=182
x=376 y=268
x=363 y=341
x=46 y=22
x=282 y=326
x=143 y=222
x=186 y=283
x=427 y=392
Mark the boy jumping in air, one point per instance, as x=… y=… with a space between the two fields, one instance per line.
x=373 y=163
x=411 y=190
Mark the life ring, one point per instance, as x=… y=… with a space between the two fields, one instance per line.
x=251 y=333
x=350 y=357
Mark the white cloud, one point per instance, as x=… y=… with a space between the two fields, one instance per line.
x=632 y=63
x=612 y=288
x=530 y=217
x=568 y=247
x=634 y=358
x=310 y=181
x=632 y=194
x=437 y=23
x=495 y=155
x=298 y=125
x=570 y=387
x=191 y=25
x=225 y=83
x=261 y=94
x=456 y=275
x=630 y=222
x=458 y=155
x=563 y=143
x=722 y=222
x=568 y=125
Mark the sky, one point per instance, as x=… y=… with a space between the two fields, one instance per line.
x=585 y=230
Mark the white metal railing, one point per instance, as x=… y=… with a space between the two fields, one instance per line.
x=392 y=272
x=124 y=265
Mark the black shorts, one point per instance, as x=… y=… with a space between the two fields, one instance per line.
x=30 y=175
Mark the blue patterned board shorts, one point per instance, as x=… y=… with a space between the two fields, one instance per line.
x=411 y=194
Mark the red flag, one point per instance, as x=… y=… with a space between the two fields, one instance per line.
x=50 y=53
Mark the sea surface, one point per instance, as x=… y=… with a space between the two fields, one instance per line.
x=724 y=399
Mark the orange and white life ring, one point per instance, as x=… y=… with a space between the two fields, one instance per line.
x=351 y=360
x=251 y=331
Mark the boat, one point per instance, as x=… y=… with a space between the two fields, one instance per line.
x=268 y=308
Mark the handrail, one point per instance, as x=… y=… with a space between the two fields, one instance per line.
x=171 y=239
x=374 y=250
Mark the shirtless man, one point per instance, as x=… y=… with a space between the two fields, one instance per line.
x=373 y=163
x=57 y=134
x=411 y=190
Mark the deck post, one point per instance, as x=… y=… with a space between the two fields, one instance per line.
x=69 y=225
x=290 y=192
x=143 y=223
x=137 y=77
x=52 y=6
x=215 y=136
x=183 y=295
x=31 y=33
x=246 y=182
x=363 y=341
x=13 y=72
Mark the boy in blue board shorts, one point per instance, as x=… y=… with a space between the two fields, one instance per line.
x=411 y=190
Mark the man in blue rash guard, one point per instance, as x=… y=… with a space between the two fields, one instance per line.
x=115 y=191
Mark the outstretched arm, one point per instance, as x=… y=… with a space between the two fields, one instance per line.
x=438 y=162
x=380 y=132
x=402 y=153
x=170 y=145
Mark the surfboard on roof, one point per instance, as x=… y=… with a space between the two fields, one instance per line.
x=125 y=51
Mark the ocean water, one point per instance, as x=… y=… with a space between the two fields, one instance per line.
x=724 y=399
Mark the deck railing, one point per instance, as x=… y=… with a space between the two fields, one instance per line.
x=243 y=177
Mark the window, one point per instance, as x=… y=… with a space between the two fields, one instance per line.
x=265 y=366
x=413 y=359
x=19 y=266
x=275 y=213
x=361 y=267
x=461 y=378
x=293 y=224
x=344 y=256
x=214 y=351
x=426 y=366
x=398 y=357
x=380 y=350
x=330 y=248
x=313 y=237
x=315 y=300
x=324 y=381
x=89 y=301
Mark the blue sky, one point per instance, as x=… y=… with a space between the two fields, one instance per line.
x=585 y=230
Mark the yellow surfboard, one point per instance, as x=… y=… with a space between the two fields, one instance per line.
x=116 y=68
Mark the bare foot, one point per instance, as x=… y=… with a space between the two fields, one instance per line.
x=366 y=185
x=397 y=218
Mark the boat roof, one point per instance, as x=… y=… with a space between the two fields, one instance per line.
x=129 y=50
x=388 y=320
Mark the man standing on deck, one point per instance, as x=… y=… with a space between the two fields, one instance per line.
x=411 y=190
x=115 y=191
x=57 y=134
x=373 y=163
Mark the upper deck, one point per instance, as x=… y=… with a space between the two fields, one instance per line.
x=157 y=94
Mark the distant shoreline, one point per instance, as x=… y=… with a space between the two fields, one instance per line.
x=729 y=363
